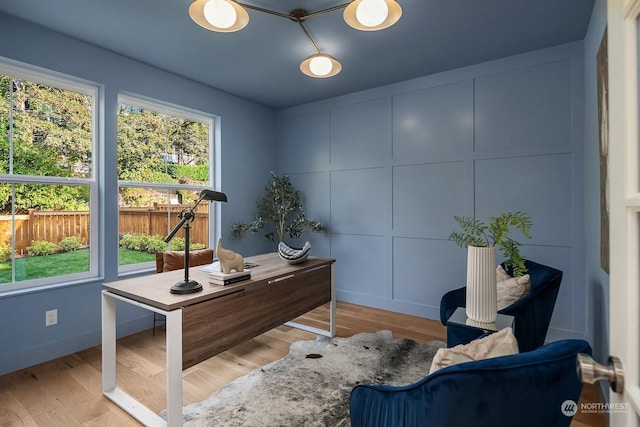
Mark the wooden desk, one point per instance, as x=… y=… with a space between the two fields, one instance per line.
x=206 y=323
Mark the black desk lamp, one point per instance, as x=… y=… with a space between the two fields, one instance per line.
x=187 y=216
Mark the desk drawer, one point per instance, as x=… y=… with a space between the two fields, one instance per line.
x=213 y=326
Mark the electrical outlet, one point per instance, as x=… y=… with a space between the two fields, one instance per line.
x=51 y=318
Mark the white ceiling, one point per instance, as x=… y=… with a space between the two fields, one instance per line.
x=260 y=62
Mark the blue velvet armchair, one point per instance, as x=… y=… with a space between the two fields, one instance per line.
x=532 y=313
x=526 y=389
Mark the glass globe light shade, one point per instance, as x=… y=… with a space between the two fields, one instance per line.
x=223 y=16
x=320 y=65
x=220 y=13
x=372 y=15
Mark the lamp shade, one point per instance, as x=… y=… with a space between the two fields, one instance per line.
x=372 y=15
x=224 y=16
x=320 y=65
x=213 y=196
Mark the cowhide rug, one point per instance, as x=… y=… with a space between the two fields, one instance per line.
x=304 y=389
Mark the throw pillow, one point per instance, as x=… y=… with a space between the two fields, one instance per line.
x=510 y=289
x=501 y=274
x=501 y=343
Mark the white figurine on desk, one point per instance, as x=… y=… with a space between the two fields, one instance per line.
x=229 y=260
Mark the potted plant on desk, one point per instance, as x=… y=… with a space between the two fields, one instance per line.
x=481 y=239
x=282 y=212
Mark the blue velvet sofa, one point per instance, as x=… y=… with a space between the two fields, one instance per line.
x=532 y=313
x=522 y=390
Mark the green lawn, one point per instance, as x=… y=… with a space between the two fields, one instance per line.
x=127 y=256
x=59 y=264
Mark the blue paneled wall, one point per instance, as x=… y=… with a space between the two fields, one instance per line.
x=388 y=168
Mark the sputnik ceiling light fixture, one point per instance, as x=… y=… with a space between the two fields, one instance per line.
x=227 y=16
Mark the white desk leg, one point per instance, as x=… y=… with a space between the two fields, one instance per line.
x=108 y=343
x=332 y=305
x=174 y=368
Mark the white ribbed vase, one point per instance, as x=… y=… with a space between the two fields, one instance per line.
x=481 y=284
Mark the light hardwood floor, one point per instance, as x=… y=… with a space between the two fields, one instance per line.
x=66 y=392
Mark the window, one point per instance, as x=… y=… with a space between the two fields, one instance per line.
x=47 y=178
x=164 y=153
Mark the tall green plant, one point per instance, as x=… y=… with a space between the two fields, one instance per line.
x=496 y=232
x=281 y=210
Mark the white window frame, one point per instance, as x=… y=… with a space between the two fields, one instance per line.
x=61 y=81
x=209 y=120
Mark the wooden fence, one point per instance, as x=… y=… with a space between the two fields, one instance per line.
x=56 y=225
